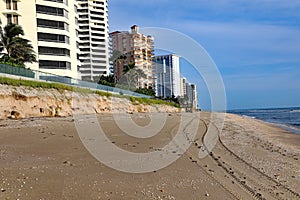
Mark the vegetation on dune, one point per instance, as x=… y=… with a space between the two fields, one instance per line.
x=49 y=85
x=146 y=91
x=107 y=80
x=135 y=100
x=61 y=87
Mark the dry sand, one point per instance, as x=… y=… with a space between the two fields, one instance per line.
x=45 y=159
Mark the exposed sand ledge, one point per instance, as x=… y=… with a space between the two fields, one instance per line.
x=25 y=102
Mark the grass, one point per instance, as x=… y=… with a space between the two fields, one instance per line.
x=47 y=85
x=34 y=84
x=146 y=101
x=62 y=87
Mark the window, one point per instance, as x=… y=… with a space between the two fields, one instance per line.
x=84 y=33
x=51 y=10
x=85 y=44
x=83 y=10
x=96 y=13
x=9 y=18
x=85 y=49
x=54 y=51
x=84 y=16
x=98 y=29
x=86 y=71
x=15 y=5
x=8 y=4
x=16 y=19
x=84 y=38
x=84 y=21
x=99 y=67
x=98 y=35
x=52 y=24
x=49 y=64
x=48 y=37
x=99 y=51
x=100 y=61
x=99 y=56
x=97 y=18
x=98 y=40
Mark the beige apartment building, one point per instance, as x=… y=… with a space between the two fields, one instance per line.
x=68 y=36
x=51 y=27
x=134 y=48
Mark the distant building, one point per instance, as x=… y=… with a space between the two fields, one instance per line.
x=132 y=47
x=182 y=87
x=167 y=76
x=191 y=96
x=94 y=39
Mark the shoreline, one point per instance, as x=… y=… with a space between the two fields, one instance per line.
x=285 y=127
x=261 y=113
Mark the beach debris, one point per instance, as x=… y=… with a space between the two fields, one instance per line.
x=15 y=114
x=67 y=163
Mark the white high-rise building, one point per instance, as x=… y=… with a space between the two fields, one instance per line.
x=51 y=27
x=94 y=39
x=167 y=76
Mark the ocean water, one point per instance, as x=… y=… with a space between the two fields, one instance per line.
x=288 y=118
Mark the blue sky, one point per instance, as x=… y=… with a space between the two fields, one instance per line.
x=255 y=44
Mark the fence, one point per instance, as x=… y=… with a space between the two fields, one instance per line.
x=43 y=76
x=17 y=71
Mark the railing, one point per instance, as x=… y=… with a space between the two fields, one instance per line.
x=43 y=76
x=17 y=71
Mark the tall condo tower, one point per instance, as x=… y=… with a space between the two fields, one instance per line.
x=94 y=39
x=51 y=26
x=167 y=76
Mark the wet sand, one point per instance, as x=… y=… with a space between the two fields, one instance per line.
x=45 y=159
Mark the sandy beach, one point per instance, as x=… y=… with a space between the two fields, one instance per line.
x=44 y=158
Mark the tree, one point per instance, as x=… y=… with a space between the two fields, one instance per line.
x=18 y=50
x=131 y=77
x=118 y=60
x=107 y=80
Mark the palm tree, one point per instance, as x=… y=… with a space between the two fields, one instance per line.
x=18 y=50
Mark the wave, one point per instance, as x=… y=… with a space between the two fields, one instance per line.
x=251 y=117
x=295 y=111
